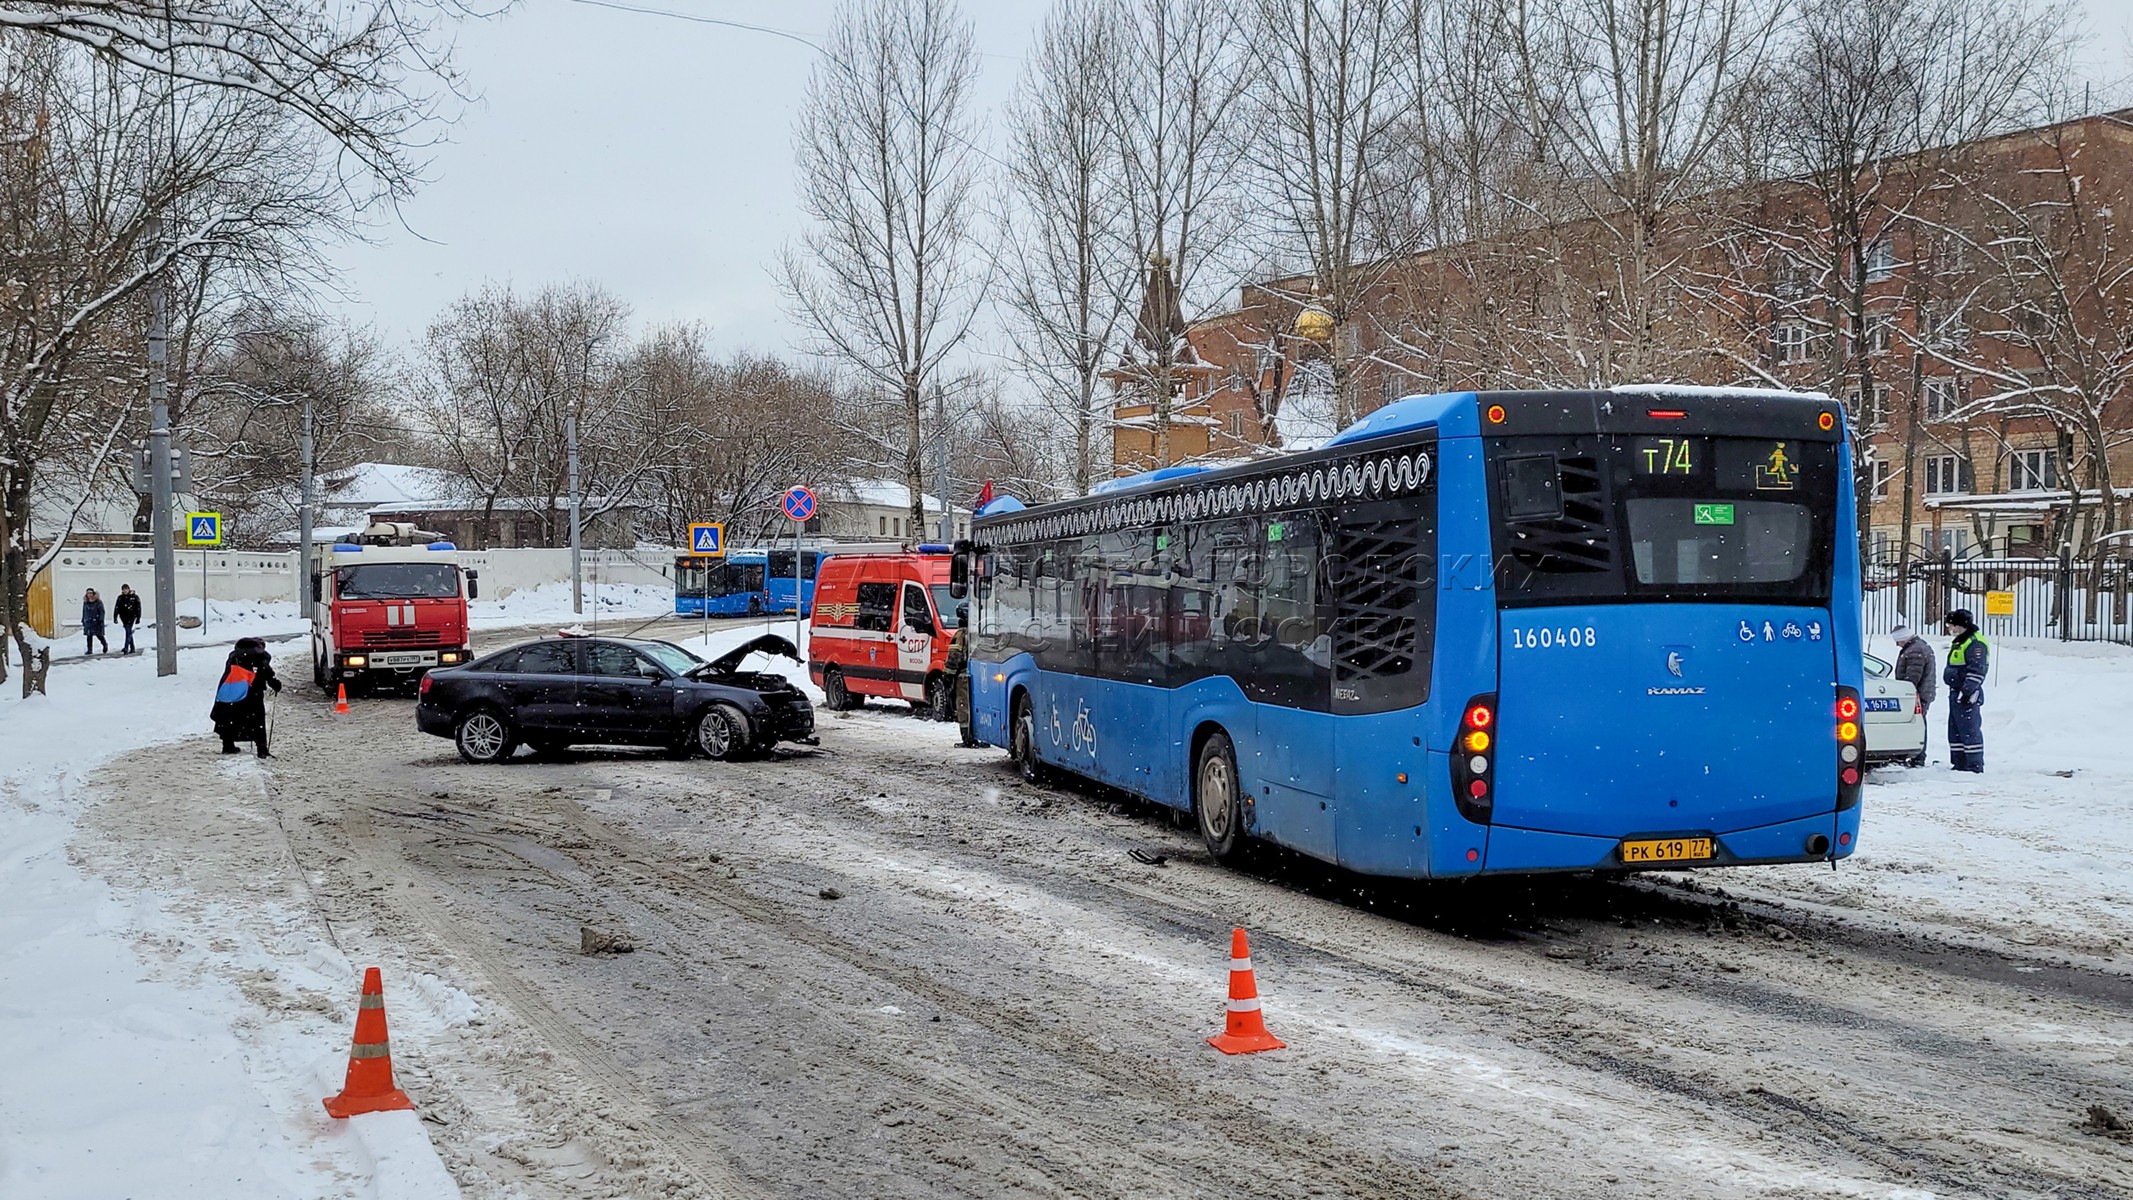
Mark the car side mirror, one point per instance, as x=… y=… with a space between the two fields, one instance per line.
x=316 y=584
x=959 y=571
x=473 y=585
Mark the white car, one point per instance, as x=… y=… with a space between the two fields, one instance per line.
x=1895 y=722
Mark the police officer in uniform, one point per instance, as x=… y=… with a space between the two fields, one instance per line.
x=1965 y=677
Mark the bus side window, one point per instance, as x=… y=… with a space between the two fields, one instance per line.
x=877 y=607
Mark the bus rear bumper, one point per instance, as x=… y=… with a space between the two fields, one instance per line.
x=1512 y=851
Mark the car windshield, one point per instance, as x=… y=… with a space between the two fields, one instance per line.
x=672 y=657
x=397 y=581
x=946 y=605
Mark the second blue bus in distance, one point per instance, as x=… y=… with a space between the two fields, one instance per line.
x=1493 y=632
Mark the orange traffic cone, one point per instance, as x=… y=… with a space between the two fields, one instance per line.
x=1245 y=1031
x=370 y=1061
x=340 y=703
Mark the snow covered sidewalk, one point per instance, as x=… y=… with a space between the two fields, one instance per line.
x=2037 y=851
x=159 y=1045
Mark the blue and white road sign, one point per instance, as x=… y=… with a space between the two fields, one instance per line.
x=799 y=503
x=203 y=529
x=707 y=538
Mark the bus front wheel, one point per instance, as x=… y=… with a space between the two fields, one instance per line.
x=1022 y=743
x=1217 y=799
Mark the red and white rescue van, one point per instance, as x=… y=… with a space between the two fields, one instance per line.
x=387 y=604
x=881 y=627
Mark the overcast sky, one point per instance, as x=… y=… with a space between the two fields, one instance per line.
x=653 y=155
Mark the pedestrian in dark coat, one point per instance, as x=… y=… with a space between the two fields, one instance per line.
x=92 y=622
x=126 y=610
x=240 y=711
x=1965 y=677
x=1917 y=664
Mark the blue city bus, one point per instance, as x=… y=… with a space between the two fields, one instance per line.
x=781 y=586
x=1473 y=633
x=731 y=586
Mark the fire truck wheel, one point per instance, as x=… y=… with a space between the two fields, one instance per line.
x=723 y=733
x=835 y=696
x=484 y=736
x=940 y=698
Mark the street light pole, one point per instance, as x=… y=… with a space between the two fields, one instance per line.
x=159 y=524
x=303 y=522
x=577 y=578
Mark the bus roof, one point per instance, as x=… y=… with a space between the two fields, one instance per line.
x=1735 y=410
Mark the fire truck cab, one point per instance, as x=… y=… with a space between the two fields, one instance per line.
x=387 y=604
x=881 y=627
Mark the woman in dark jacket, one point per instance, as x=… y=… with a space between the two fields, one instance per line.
x=240 y=710
x=92 y=621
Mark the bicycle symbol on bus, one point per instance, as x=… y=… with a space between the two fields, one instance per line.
x=1081 y=739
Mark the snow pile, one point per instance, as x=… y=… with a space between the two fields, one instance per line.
x=551 y=602
x=228 y=620
x=2039 y=849
x=145 y=1057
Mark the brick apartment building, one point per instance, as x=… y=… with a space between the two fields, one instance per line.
x=1983 y=342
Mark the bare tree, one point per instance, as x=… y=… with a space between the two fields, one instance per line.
x=2046 y=329
x=1329 y=111
x=91 y=166
x=1174 y=109
x=1624 y=104
x=887 y=168
x=1065 y=265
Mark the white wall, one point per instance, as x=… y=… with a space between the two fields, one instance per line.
x=246 y=575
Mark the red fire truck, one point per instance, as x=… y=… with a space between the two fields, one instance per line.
x=881 y=627
x=387 y=604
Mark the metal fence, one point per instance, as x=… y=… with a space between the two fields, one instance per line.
x=2076 y=600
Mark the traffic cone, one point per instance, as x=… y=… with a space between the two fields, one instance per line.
x=1244 y=1032
x=370 y=1061
x=340 y=702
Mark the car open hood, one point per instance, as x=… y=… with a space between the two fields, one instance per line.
x=769 y=643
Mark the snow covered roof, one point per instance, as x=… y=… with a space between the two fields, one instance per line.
x=878 y=493
x=389 y=485
x=2033 y=501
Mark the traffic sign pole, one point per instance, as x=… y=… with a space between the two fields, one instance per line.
x=799 y=506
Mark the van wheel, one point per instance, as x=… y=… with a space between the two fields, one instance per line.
x=1022 y=743
x=484 y=735
x=1218 y=798
x=723 y=733
x=940 y=698
x=836 y=697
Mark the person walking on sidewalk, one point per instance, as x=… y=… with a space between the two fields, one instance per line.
x=240 y=711
x=1965 y=677
x=126 y=610
x=92 y=622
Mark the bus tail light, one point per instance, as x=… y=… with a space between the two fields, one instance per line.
x=1473 y=763
x=1851 y=748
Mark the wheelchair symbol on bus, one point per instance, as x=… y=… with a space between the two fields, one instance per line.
x=1081 y=739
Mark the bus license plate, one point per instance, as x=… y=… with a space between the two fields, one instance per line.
x=1667 y=850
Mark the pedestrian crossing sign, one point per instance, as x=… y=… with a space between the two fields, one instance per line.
x=203 y=529
x=707 y=539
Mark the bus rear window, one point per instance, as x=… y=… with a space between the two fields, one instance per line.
x=1709 y=543
x=1594 y=517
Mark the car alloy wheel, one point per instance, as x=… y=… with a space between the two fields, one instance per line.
x=483 y=737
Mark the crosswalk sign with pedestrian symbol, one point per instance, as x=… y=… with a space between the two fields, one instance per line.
x=707 y=539
x=203 y=529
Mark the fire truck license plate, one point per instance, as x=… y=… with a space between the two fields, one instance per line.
x=1667 y=850
x=401 y=660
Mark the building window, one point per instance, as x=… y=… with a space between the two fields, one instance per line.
x=2032 y=470
x=1236 y=424
x=1881 y=545
x=1880 y=334
x=1789 y=340
x=881 y=525
x=1880 y=262
x=1882 y=472
x=1943 y=397
x=1953 y=541
x=1946 y=474
x=1951 y=332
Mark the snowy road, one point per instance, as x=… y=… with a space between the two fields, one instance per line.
x=1001 y=1002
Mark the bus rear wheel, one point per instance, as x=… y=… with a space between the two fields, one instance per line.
x=1217 y=799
